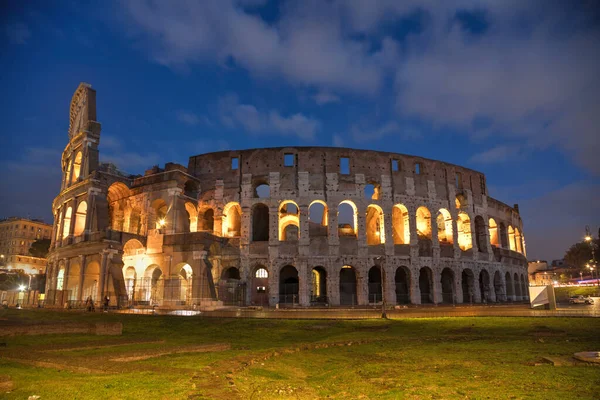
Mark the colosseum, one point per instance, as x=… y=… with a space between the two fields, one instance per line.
x=291 y=226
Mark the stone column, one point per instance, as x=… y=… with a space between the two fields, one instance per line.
x=73 y=204
x=415 y=291
x=435 y=243
x=332 y=230
x=455 y=245
x=82 y=267
x=414 y=237
x=303 y=284
x=473 y=237
x=333 y=284
x=103 y=275
x=361 y=219
x=91 y=210
x=437 y=285
x=362 y=285
x=389 y=230
x=476 y=289
x=273 y=283
x=458 y=298
x=173 y=210
x=304 y=239
x=389 y=284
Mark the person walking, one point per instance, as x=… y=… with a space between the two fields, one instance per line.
x=106 y=302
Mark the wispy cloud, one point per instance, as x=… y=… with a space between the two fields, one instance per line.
x=188 y=118
x=255 y=121
x=497 y=154
x=324 y=97
x=362 y=134
x=114 y=151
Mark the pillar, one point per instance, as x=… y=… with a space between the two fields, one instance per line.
x=437 y=285
x=415 y=291
x=82 y=267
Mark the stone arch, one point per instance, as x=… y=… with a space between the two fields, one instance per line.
x=60 y=278
x=289 y=220
x=192 y=213
x=159 y=213
x=260 y=286
x=318 y=219
x=80 y=217
x=493 y=231
x=260 y=223
x=448 y=284
x=133 y=247
x=509 y=287
x=90 y=280
x=347 y=218
x=426 y=285
x=480 y=234
x=348 y=286
x=130 y=276
x=498 y=287
x=232 y=220
x=375 y=287
x=231 y=273
x=468 y=285
x=67 y=222
x=318 y=288
x=400 y=224
x=186 y=279
x=116 y=197
x=461 y=202
x=423 y=223
x=375 y=225
x=153 y=285
x=135 y=221
x=402 y=282
x=289 y=285
x=444 y=226
x=511 y=238
x=463 y=225
x=262 y=190
x=191 y=189
x=519 y=243
x=206 y=220
x=503 y=236
x=484 y=286
x=73 y=280
x=77 y=167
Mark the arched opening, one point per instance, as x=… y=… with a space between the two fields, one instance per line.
x=318 y=220
x=517 y=285
x=135 y=221
x=509 y=287
x=153 y=285
x=231 y=273
x=133 y=247
x=423 y=223
x=67 y=178
x=493 y=230
x=190 y=189
x=262 y=191
x=348 y=286
x=375 y=225
x=73 y=280
x=60 y=278
x=116 y=198
x=231 y=290
x=463 y=225
x=498 y=286
x=484 y=286
x=375 y=292
x=207 y=223
x=289 y=221
x=461 y=202
x=159 y=209
x=468 y=286
x=76 y=167
x=260 y=223
x=347 y=219
x=481 y=234
x=67 y=222
x=444 y=226
x=426 y=285
x=519 y=245
x=192 y=212
x=402 y=281
x=400 y=224
x=447 y=280
x=232 y=220
x=288 y=285
x=318 y=289
x=511 y=238
x=130 y=281
x=260 y=286
x=372 y=191
x=503 y=236
x=80 y=216
x=185 y=284
x=58 y=224
x=90 y=280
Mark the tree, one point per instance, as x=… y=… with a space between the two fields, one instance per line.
x=580 y=254
x=40 y=248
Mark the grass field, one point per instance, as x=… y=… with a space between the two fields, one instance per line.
x=168 y=358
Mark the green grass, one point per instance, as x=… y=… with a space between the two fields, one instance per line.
x=444 y=358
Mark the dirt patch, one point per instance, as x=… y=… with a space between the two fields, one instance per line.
x=93 y=346
x=194 y=349
x=374 y=328
x=463 y=331
x=543 y=330
x=58 y=366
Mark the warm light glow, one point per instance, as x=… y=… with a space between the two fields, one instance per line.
x=588 y=238
x=162 y=222
x=22 y=287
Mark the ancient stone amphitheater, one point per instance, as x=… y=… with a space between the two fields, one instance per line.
x=303 y=226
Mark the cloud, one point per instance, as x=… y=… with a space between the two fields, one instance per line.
x=188 y=118
x=325 y=98
x=18 y=33
x=233 y=114
x=112 y=150
x=497 y=154
x=370 y=133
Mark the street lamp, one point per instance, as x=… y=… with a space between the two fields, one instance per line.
x=589 y=239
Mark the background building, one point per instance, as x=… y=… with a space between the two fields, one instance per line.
x=16 y=237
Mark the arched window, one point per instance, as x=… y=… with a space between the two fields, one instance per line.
x=192 y=212
x=372 y=191
x=80 y=217
x=423 y=223
x=208 y=220
x=67 y=222
x=519 y=245
x=262 y=191
x=444 y=226
x=318 y=219
x=511 y=238
x=160 y=209
x=347 y=219
x=375 y=225
x=463 y=224
x=289 y=221
x=400 y=224
x=493 y=230
x=261 y=273
x=76 y=168
x=232 y=220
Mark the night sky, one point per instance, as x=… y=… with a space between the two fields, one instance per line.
x=508 y=88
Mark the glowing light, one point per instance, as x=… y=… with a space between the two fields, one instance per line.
x=22 y=287
x=162 y=222
x=588 y=238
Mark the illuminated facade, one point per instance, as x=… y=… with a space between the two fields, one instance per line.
x=16 y=237
x=298 y=225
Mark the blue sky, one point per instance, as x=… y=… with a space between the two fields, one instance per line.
x=509 y=88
